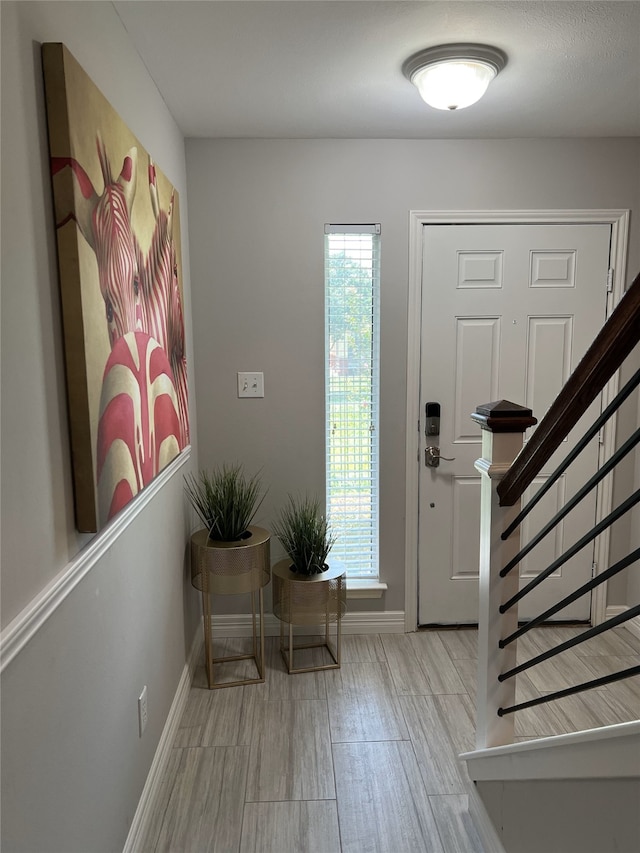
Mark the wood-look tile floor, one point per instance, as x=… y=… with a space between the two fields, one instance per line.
x=363 y=758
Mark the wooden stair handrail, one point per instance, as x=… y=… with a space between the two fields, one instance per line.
x=614 y=342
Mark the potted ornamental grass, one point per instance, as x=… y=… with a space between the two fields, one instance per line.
x=305 y=535
x=229 y=555
x=308 y=593
x=226 y=500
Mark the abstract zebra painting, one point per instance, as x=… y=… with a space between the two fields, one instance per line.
x=119 y=259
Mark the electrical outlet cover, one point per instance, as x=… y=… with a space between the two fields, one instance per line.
x=143 y=711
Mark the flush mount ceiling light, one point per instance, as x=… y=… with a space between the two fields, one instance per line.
x=453 y=76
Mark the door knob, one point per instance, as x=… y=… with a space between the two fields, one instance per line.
x=432 y=457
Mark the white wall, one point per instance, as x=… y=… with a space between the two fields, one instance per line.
x=257 y=210
x=73 y=765
x=565 y=815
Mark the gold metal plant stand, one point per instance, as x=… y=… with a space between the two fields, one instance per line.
x=315 y=600
x=232 y=568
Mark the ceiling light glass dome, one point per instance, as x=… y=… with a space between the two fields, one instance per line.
x=451 y=77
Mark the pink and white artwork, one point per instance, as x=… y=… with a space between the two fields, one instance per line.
x=119 y=259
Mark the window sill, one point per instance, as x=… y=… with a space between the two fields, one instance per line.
x=365 y=588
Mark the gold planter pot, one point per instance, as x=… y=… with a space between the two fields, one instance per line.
x=302 y=600
x=232 y=568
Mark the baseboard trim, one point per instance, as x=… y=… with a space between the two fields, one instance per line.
x=368 y=622
x=615 y=610
x=150 y=792
x=31 y=619
x=633 y=625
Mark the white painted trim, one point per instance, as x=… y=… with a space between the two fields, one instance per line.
x=29 y=621
x=615 y=610
x=619 y=221
x=607 y=752
x=411 y=591
x=604 y=498
x=633 y=625
x=150 y=792
x=369 y=622
x=365 y=588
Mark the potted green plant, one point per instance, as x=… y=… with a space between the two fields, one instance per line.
x=229 y=555
x=308 y=593
x=305 y=534
x=226 y=501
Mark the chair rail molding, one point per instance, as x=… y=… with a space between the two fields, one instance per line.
x=29 y=621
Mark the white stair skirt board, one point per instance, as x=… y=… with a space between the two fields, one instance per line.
x=490 y=838
x=565 y=815
x=369 y=622
x=611 y=752
x=574 y=793
x=148 y=798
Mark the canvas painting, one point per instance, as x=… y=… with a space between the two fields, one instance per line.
x=117 y=222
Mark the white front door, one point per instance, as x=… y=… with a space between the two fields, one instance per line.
x=507 y=313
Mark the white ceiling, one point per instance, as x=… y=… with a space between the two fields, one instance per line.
x=303 y=68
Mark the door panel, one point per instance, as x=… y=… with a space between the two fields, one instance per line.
x=553 y=545
x=476 y=370
x=466 y=517
x=507 y=313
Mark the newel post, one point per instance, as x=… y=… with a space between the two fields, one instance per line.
x=503 y=425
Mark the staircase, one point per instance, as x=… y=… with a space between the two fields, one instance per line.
x=576 y=792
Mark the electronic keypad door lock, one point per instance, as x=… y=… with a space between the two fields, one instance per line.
x=432 y=419
x=432 y=455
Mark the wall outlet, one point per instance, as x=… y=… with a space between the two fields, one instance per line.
x=143 y=712
x=250 y=384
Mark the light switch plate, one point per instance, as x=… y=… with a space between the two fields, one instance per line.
x=250 y=384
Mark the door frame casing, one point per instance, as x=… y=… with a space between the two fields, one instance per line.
x=618 y=219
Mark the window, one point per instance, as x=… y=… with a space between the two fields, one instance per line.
x=352 y=330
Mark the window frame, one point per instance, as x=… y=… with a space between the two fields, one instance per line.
x=360 y=385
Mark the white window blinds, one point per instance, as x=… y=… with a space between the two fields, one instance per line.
x=352 y=326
